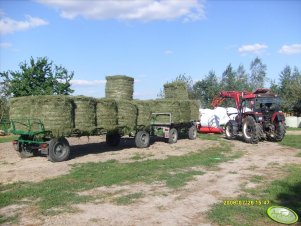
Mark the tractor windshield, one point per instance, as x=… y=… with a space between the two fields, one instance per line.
x=267 y=103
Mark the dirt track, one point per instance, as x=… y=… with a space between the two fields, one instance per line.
x=160 y=205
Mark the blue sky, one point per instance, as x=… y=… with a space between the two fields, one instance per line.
x=150 y=40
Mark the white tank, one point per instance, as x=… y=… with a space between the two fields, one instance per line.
x=292 y=121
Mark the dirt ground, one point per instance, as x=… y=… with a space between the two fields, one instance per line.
x=159 y=205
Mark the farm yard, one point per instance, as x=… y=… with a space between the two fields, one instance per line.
x=180 y=184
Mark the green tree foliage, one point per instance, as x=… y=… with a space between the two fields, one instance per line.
x=206 y=89
x=229 y=79
x=38 y=77
x=242 y=82
x=258 y=74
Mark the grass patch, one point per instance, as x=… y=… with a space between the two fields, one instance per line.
x=284 y=192
x=139 y=156
x=299 y=154
x=293 y=129
x=62 y=191
x=8 y=138
x=129 y=199
x=209 y=136
x=256 y=179
x=11 y=219
x=292 y=141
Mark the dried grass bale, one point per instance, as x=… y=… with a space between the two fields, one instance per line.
x=127 y=115
x=84 y=113
x=176 y=90
x=120 y=87
x=180 y=110
x=194 y=110
x=106 y=114
x=55 y=112
x=144 y=112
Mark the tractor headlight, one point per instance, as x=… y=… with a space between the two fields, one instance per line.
x=260 y=118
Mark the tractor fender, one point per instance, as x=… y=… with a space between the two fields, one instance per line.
x=279 y=117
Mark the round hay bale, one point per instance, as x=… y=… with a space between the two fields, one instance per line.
x=143 y=112
x=55 y=112
x=194 y=110
x=176 y=90
x=84 y=113
x=120 y=87
x=106 y=114
x=127 y=115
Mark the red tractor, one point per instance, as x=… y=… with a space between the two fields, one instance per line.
x=259 y=116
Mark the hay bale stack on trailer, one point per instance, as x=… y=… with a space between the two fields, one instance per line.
x=143 y=112
x=176 y=90
x=126 y=115
x=84 y=114
x=194 y=110
x=106 y=114
x=120 y=87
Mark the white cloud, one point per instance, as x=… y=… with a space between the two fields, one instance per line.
x=145 y=10
x=5 y=45
x=168 y=52
x=81 y=82
x=290 y=49
x=9 y=26
x=254 y=48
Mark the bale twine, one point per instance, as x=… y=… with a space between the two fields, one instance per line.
x=127 y=115
x=120 y=87
x=144 y=112
x=55 y=112
x=194 y=110
x=106 y=114
x=176 y=90
x=180 y=110
x=84 y=113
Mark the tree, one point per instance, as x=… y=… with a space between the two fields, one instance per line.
x=206 y=89
x=229 y=79
x=258 y=73
x=39 y=77
x=242 y=82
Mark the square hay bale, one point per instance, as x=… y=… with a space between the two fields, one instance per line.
x=127 y=115
x=194 y=110
x=176 y=90
x=106 y=114
x=120 y=87
x=143 y=112
x=84 y=113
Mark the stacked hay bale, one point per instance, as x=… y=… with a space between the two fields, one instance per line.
x=127 y=115
x=120 y=87
x=194 y=110
x=55 y=112
x=180 y=110
x=143 y=112
x=84 y=114
x=176 y=90
x=106 y=114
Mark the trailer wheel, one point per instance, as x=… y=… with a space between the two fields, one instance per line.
x=24 y=151
x=250 y=131
x=59 y=150
x=142 y=139
x=229 y=131
x=192 y=133
x=173 y=136
x=112 y=139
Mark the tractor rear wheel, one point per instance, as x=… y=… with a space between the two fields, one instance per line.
x=59 y=150
x=173 y=136
x=142 y=139
x=192 y=133
x=250 y=131
x=229 y=131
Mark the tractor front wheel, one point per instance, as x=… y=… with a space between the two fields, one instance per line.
x=229 y=131
x=59 y=150
x=250 y=131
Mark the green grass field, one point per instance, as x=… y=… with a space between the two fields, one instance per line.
x=60 y=192
x=8 y=138
x=293 y=141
